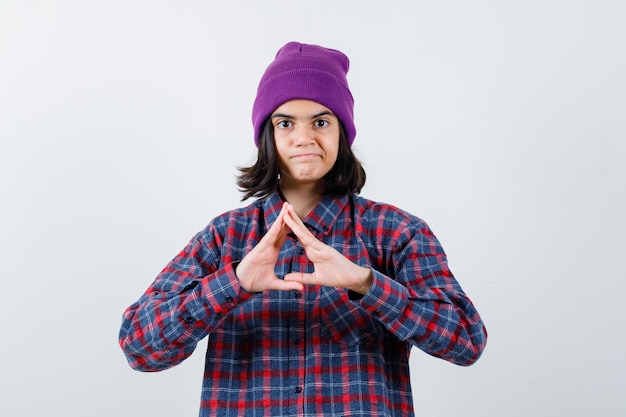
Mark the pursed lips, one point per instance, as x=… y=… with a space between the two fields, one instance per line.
x=306 y=155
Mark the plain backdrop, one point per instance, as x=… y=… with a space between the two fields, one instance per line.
x=501 y=123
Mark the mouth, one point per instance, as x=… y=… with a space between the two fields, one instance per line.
x=306 y=156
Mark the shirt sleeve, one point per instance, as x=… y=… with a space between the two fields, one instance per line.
x=423 y=303
x=187 y=300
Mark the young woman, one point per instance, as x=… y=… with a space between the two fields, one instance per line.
x=311 y=296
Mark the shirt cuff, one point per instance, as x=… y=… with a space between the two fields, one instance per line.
x=220 y=293
x=386 y=298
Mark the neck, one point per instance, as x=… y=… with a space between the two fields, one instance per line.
x=303 y=197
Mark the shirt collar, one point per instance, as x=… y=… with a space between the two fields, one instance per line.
x=321 y=219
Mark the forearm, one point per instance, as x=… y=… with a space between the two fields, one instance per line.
x=441 y=322
x=164 y=326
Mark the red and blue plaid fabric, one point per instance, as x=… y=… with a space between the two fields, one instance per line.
x=323 y=351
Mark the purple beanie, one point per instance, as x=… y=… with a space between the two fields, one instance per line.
x=310 y=72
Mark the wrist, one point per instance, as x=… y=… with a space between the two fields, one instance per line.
x=238 y=270
x=365 y=282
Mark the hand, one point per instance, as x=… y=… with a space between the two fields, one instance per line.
x=256 y=269
x=332 y=269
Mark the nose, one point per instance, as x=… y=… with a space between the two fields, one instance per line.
x=304 y=135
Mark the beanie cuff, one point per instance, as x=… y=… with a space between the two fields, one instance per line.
x=306 y=84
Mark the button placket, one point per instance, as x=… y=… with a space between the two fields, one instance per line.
x=298 y=322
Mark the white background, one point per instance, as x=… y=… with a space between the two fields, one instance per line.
x=501 y=123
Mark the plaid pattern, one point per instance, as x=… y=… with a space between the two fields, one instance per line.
x=324 y=351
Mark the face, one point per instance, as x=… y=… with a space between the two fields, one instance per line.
x=306 y=135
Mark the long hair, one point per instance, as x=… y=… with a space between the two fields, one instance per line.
x=259 y=180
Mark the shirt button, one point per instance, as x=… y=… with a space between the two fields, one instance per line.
x=189 y=320
x=298 y=390
x=298 y=294
x=229 y=299
x=297 y=341
x=301 y=251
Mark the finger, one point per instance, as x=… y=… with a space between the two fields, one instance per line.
x=297 y=226
x=285 y=285
x=277 y=232
x=302 y=278
x=279 y=222
x=291 y=212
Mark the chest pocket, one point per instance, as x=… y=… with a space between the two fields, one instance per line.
x=343 y=320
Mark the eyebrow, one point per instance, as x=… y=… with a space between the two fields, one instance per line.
x=315 y=116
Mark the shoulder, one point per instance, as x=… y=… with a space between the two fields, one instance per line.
x=246 y=212
x=387 y=226
x=237 y=220
x=385 y=214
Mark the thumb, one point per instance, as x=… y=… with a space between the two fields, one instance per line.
x=285 y=285
x=302 y=278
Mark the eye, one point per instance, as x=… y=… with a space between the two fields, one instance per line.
x=321 y=123
x=283 y=124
